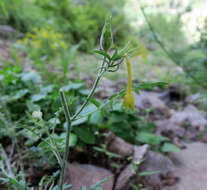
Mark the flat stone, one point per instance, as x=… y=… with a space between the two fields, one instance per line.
x=175 y=187
x=87 y=175
x=156 y=162
x=191 y=167
x=204 y=138
x=194 y=98
x=146 y=100
x=191 y=115
x=190 y=122
x=107 y=87
x=7 y=30
x=127 y=175
x=119 y=146
x=168 y=128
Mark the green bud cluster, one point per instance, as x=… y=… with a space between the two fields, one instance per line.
x=115 y=57
x=106 y=40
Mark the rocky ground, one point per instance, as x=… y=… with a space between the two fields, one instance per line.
x=176 y=116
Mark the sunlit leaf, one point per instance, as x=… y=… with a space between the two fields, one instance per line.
x=169 y=147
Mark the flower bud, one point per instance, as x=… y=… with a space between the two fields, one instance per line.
x=37 y=114
x=106 y=36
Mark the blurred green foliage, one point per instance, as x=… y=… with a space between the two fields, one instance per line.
x=165 y=36
x=21 y=14
x=168 y=28
x=77 y=20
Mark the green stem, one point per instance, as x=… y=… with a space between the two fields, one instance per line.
x=90 y=95
x=69 y=120
x=66 y=152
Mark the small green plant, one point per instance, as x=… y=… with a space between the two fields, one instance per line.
x=109 y=64
x=104 y=150
x=137 y=187
x=38 y=124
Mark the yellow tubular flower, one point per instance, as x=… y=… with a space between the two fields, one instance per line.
x=129 y=99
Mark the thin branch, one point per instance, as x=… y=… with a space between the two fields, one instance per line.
x=89 y=96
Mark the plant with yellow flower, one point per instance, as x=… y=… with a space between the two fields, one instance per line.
x=110 y=63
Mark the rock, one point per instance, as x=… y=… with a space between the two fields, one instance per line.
x=146 y=100
x=192 y=119
x=204 y=138
x=179 y=142
x=5 y=51
x=87 y=175
x=156 y=162
x=170 y=188
x=107 y=87
x=126 y=175
x=191 y=115
x=193 y=98
x=140 y=152
x=191 y=167
x=119 y=146
x=8 y=31
x=169 y=129
x=190 y=122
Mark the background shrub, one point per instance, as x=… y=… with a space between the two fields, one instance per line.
x=77 y=20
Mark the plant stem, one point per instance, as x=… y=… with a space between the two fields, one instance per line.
x=66 y=152
x=90 y=95
x=69 y=121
